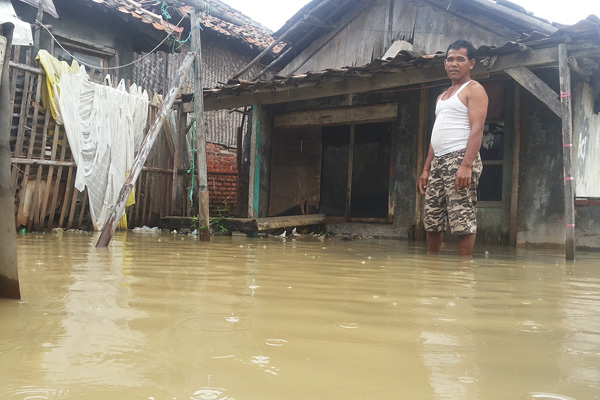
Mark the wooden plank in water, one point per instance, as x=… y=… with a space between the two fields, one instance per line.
x=264 y=224
x=63 y=153
x=37 y=211
x=30 y=148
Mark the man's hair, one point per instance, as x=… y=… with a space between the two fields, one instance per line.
x=463 y=44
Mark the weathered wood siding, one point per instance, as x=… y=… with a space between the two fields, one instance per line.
x=435 y=29
x=220 y=61
x=369 y=35
x=295 y=170
x=541 y=202
x=586 y=129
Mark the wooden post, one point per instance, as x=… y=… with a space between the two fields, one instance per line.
x=9 y=276
x=142 y=155
x=255 y=159
x=421 y=153
x=567 y=136
x=350 y=167
x=516 y=168
x=239 y=155
x=201 y=163
x=38 y=30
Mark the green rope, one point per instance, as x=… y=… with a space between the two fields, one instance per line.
x=182 y=42
x=192 y=169
x=165 y=13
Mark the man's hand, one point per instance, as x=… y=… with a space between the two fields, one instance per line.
x=463 y=177
x=423 y=181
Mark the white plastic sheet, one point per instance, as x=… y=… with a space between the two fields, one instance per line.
x=105 y=128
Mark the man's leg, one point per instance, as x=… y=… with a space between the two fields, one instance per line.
x=434 y=241
x=466 y=244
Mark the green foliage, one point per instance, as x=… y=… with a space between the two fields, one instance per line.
x=216 y=223
x=217 y=226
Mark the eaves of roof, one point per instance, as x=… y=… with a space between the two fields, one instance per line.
x=585 y=31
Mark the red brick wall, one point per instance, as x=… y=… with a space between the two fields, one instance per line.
x=222 y=177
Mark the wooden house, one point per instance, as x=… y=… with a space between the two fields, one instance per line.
x=343 y=130
x=143 y=43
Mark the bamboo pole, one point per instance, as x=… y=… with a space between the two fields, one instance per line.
x=142 y=155
x=201 y=164
x=567 y=136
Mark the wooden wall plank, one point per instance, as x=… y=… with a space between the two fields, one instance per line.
x=337 y=116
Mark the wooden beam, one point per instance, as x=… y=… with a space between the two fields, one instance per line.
x=264 y=224
x=140 y=159
x=28 y=68
x=536 y=87
x=201 y=160
x=337 y=116
x=567 y=136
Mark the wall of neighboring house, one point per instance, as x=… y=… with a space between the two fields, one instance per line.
x=221 y=59
x=222 y=178
x=541 y=193
x=371 y=33
x=91 y=30
x=586 y=129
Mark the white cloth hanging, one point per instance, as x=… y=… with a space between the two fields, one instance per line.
x=105 y=128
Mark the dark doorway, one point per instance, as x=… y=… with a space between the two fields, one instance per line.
x=363 y=152
x=334 y=170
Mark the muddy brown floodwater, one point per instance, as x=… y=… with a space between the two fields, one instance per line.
x=168 y=317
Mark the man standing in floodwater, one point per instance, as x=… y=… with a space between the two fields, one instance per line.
x=453 y=166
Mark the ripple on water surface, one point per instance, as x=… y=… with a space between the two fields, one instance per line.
x=210 y=393
x=8 y=345
x=214 y=323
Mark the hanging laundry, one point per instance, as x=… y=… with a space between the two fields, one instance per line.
x=104 y=127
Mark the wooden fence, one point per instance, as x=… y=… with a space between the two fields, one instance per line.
x=43 y=170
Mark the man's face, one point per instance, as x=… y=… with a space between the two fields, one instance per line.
x=457 y=64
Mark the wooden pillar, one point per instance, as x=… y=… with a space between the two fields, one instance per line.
x=350 y=166
x=140 y=159
x=239 y=155
x=255 y=161
x=201 y=163
x=9 y=276
x=516 y=158
x=567 y=136
x=421 y=152
x=38 y=30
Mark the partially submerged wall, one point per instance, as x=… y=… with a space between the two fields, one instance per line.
x=541 y=194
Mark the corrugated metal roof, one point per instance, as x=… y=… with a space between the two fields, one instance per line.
x=588 y=29
x=248 y=31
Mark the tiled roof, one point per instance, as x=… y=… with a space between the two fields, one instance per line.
x=246 y=30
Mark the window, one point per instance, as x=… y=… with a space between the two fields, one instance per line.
x=94 y=63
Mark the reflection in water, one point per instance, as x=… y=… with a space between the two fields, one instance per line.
x=169 y=317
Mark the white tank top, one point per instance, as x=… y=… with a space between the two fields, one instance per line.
x=451 y=129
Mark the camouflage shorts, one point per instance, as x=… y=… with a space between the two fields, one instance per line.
x=444 y=204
